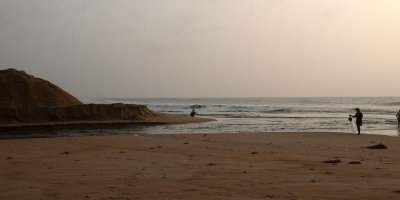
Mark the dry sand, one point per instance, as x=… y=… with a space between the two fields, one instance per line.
x=201 y=166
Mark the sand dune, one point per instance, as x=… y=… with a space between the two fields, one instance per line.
x=27 y=102
x=20 y=89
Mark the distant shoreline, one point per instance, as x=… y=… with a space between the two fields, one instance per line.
x=160 y=119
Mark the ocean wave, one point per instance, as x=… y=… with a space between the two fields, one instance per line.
x=236 y=111
x=219 y=105
x=281 y=110
x=396 y=103
x=379 y=111
x=171 y=111
x=255 y=116
x=196 y=106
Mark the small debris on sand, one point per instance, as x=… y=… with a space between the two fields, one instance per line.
x=189 y=190
x=354 y=162
x=211 y=164
x=254 y=152
x=66 y=152
x=9 y=158
x=378 y=146
x=332 y=161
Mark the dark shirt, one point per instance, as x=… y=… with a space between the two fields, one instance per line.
x=193 y=113
x=358 y=117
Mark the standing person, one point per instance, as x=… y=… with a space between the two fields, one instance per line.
x=358 y=117
x=193 y=113
x=398 y=119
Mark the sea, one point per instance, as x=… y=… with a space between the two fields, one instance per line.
x=252 y=115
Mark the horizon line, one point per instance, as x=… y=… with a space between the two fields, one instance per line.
x=237 y=97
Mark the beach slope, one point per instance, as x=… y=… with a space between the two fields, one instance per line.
x=201 y=166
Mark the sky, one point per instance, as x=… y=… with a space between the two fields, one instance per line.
x=206 y=48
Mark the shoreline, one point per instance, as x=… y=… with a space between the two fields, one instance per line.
x=201 y=166
x=160 y=119
x=122 y=127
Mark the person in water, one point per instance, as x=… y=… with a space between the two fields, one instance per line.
x=398 y=119
x=358 y=117
x=193 y=113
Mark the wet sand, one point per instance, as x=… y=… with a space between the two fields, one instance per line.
x=158 y=119
x=201 y=166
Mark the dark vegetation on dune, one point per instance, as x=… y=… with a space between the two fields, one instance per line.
x=27 y=99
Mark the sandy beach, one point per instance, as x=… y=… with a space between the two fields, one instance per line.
x=201 y=166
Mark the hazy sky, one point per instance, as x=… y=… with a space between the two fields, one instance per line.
x=215 y=48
